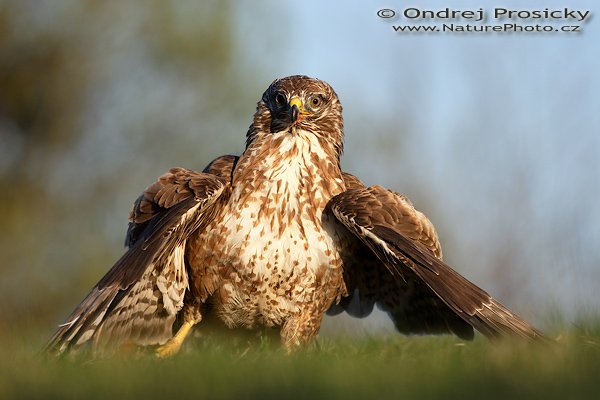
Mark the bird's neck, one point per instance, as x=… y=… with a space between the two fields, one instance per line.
x=298 y=162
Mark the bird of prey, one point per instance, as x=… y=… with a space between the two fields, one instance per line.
x=277 y=237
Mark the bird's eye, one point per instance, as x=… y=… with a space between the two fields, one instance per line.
x=315 y=101
x=280 y=99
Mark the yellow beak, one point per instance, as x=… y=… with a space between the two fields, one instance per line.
x=297 y=110
x=295 y=101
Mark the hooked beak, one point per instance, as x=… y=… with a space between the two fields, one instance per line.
x=297 y=111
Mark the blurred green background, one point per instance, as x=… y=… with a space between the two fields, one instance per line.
x=494 y=136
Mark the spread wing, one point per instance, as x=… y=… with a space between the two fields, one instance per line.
x=407 y=277
x=136 y=302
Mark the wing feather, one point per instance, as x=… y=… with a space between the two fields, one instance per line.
x=222 y=166
x=405 y=242
x=136 y=302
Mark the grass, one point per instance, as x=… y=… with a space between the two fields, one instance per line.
x=375 y=367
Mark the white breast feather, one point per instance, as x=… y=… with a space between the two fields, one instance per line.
x=260 y=256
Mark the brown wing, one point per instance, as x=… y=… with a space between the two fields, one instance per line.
x=136 y=302
x=425 y=295
x=222 y=166
x=351 y=181
x=411 y=305
x=401 y=214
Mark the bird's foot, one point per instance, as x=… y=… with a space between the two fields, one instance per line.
x=173 y=346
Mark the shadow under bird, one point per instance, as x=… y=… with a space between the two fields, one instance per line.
x=277 y=237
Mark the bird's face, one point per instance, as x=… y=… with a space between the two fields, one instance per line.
x=300 y=102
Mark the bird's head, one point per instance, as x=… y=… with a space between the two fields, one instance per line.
x=299 y=104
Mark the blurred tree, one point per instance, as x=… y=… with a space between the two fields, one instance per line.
x=84 y=87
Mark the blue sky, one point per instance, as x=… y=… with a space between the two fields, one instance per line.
x=496 y=135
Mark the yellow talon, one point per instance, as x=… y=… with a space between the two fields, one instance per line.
x=174 y=344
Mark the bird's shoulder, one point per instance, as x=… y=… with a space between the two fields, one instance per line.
x=376 y=205
x=174 y=187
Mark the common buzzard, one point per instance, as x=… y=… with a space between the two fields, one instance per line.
x=277 y=237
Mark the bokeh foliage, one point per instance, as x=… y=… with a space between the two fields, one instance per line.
x=68 y=172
